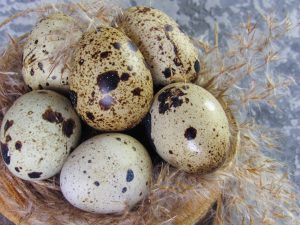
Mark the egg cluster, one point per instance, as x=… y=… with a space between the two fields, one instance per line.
x=110 y=74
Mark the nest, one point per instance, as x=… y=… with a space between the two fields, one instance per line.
x=251 y=188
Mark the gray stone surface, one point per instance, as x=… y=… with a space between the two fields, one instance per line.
x=197 y=18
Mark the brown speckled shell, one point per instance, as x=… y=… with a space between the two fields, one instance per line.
x=111 y=87
x=189 y=128
x=42 y=68
x=168 y=51
x=38 y=132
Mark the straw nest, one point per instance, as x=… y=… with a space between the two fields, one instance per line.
x=251 y=188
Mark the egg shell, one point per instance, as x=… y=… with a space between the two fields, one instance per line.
x=107 y=174
x=168 y=51
x=189 y=128
x=47 y=50
x=111 y=87
x=38 y=133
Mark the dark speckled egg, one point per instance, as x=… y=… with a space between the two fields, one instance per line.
x=38 y=133
x=168 y=51
x=111 y=86
x=44 y=56
x=189 y=128
x=107 y=174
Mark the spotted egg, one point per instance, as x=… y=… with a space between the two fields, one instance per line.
x=189 y=128
x=168 y=51
x=47 y=50
x=111 y=86
x=37 y=134
x=108 y=173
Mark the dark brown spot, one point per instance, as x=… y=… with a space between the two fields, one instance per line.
x=52 y=116
x=7 y=125
x=45 y=52
x=167 y=72
x=7 y=138
x=116 y=45
x=143 y=9
x=168 y=28
x=197 y=66
x=53 y=77
x=104 y=55
x=68 y=126
x=40 y=87
x=107 y=102
x=130 y=175
x=118 y=139
x=5 y=153
x=170 y=97
x=81 y=61
x=36 y=41
x=31 y=59
x=89 y=161
x=35 y=174
x=95 y=55
x=171 y=152
x=125 y=76
x=176 y=60
x=132 y=46
x=108 y=81
x=73 y=98
x=130 y=68
x=97 y=183
x=18 y=145
x=41 y=67
x=90 y=116
x=137 y=91
x=31 y=72
x=124 y=189
x=17 y=169
x=190 y=133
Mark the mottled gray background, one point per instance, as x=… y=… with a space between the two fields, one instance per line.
x=197 y=18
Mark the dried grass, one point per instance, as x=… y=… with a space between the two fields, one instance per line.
x=255 y=189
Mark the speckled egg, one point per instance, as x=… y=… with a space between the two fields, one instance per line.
x=37 y=134
x=47 y=50
x=107 y=174
x=168 y=51
x=111 y=86
x=189 y=128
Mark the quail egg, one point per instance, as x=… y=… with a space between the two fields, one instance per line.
x=108 y=173
x=47 y=50
x=111 y=86
x=168 y=51
x=189 y=128
x=37 y=134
